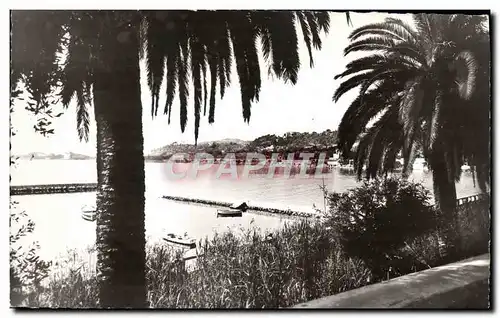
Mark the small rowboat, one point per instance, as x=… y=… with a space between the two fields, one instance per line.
x=179 y=240
x=89 y=217
x=229 y=213
x=89 y=214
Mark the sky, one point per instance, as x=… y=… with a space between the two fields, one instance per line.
x=304 y=107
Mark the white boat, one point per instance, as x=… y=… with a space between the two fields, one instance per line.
x=89 y=213
x=229 y=213
x=89 y=217
x=185 y=240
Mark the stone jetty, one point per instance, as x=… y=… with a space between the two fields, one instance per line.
x=52 y=188
x=221 y=204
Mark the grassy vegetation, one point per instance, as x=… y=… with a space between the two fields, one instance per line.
x=246 y=269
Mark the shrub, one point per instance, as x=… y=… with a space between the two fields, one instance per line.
x=27 y=270
x=377 y=221
x=474 y=226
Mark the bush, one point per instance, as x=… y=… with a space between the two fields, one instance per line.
x=378 y=221
x=27 y=270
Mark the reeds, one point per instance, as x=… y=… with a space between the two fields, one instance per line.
x=238 y=269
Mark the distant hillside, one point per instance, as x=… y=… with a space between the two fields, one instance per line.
x=289 y=142
x=213 y=147
x=296 y=141
x=54 y=156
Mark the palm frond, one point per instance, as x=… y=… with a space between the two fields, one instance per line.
x=183 y=81
x=409 y=156
x=323 y=18
x=205 y=91
x=82 y=116
x=370 y=44
x=435 y=121
x=315 y=29
x=195 y=71
x=363 y=64
x=155 y=59
x=212 y=62
x=348 y=17
x=410 y=109
x=362 y=110
x=352 y=82
x=172 y=69
x=306 y=32
x=244 y=48
x=391 y=28
x=467 y=69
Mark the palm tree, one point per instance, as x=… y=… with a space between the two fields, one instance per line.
x=422 y=86
x=103 y=49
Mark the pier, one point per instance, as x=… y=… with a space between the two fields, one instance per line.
x=52 y=188
x=220 y=204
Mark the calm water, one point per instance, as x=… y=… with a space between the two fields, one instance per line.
x=59 y=225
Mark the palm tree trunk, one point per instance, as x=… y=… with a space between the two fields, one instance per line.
x=445 y=199
x=120 y=168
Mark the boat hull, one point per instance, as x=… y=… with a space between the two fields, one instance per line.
x=89 y=217
x=181 y=243
x=229 y=213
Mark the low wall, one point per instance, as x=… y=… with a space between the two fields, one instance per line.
x=460 y=285
x=52 y=188
x=251 y=208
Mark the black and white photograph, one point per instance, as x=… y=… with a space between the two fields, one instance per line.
x=250 y=159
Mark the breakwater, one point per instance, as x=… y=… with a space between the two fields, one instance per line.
x=52 y=188
x=221 y=204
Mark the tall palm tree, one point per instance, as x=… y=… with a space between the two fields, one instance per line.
x=103 y=49
x=422 y=86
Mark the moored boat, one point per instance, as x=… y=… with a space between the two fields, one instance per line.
x=91 y=217
x=185 y=240
x=229 y=212
x=89 y=213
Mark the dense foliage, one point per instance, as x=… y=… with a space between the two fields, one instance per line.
x=27 y=269
x=376 y=220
